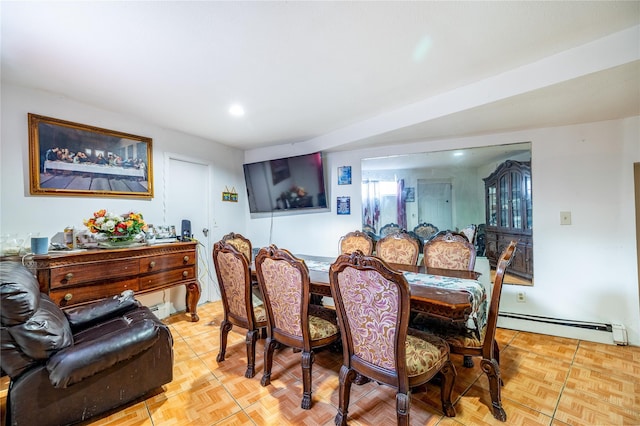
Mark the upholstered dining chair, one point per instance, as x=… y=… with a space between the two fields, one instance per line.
x=389 y=228
x=425 y=231
x=398 y=248
x=291 y=320
x=372 y=301
x=241 y=243
x=469 y=231
x=466 y=342
x=449 y=250
x=356 y=240
x=240 y=307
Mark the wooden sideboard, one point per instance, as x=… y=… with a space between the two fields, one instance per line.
x=72 y=278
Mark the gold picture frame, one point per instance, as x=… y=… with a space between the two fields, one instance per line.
x=73 y=159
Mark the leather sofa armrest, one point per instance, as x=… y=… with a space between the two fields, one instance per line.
x=84 y=316
x=75 y=363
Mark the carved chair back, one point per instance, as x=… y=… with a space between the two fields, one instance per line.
x=398 y=248
x=449 y=250
x=242 y=244
x=356 y=240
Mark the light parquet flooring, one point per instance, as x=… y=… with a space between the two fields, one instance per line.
x=547 y=381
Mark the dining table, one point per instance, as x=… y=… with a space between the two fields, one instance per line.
x=453 y=298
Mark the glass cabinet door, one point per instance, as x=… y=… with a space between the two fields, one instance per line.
x=527 y=201
x=492 y=206
x=516 y=207
x=504 y=201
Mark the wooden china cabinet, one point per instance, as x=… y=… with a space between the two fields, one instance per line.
x=509 y=215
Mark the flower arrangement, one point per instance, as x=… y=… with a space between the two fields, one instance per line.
x=116 y=227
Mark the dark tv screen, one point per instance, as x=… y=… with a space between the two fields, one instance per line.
x=294 y=184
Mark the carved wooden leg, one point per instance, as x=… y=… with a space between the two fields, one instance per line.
x=307 y=362
x=192 y=297
x=269 y=346
x=496 y=356
x=448 y=373
x=403 y=406
x=252 y=337
x=492 y=370
x=225 y=327
x=346 y=377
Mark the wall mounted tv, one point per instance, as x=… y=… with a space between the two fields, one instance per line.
x=286 y=185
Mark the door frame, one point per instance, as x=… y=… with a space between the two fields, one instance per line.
x=208 y=288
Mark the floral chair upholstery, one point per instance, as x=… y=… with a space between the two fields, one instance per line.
x=291 y=320
x=389 y=228
x=425 y=231
x=242 y=244
x=449 y=250
x=356 y=240
x=465 y=342
x=469 y=231
x=398 y=248
x=240 y=308
x=373 y=303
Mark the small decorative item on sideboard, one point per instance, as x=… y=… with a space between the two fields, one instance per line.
x=112 y=230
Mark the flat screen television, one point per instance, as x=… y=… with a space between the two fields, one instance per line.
x=291 y=184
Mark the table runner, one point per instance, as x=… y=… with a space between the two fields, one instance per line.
x=476 y=290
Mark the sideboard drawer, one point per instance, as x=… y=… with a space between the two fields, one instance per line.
x=166 y=261
x=74 y=275
x=168 y=278
x=74 y=295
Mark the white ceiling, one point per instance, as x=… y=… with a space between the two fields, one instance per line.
x=338 y=74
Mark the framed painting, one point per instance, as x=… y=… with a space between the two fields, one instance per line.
x=344 y=175
x=72 y=159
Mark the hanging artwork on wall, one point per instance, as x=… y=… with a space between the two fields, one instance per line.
x=344 y=205
x=344 y=175
x=74 y=159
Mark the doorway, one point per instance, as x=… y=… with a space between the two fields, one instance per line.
x=186 y=184
x=434 y=203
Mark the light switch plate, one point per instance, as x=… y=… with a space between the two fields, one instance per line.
x=565 y=218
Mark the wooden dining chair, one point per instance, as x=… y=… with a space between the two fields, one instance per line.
x=241 y=243
x=291 y=320
x=466 y=342
x=449 y=250
x=373 y=303
x=356 y=240
x=398 y=248
x=234 y=280
x=389 y=228
x=425 y=231
x=469 y=231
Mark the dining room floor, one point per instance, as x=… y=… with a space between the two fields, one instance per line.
x=547 y=381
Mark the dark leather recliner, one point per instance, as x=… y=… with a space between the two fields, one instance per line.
x=68 y=366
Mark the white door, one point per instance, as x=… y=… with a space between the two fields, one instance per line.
x=187 y=197
x=434 y=203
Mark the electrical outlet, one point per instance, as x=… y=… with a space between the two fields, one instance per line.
x=521 y=297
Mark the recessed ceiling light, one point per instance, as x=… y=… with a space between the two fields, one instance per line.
x=458 y=154
x=236 y=110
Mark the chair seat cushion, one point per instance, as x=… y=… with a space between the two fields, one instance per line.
x=424 y=352
x=260 y=313
x=320 y=328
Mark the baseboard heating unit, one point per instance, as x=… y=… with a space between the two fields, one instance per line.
x=591 y=331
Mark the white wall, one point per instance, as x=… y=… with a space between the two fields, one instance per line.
x=586 y=271
x=22 y=213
